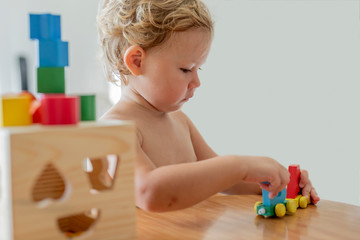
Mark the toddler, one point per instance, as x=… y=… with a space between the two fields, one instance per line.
x=155 y=48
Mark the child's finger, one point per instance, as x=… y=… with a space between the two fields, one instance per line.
x=268 y=186
x=306 y=190
x=271 y=187
x=285 y=179
x=273 y=194
x=314 y=196
x=304 y=178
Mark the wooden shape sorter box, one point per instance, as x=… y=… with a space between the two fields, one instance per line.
x=65 y=182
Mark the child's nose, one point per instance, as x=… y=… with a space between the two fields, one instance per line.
x=195 y=82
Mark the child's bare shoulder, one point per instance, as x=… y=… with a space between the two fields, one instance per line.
x=115 y=113
x=146 y=121
x=122 y=112
x=180 y=116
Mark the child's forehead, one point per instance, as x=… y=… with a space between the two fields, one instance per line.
x=188 y=44
x=190 y=38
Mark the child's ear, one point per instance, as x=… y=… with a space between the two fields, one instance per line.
x=133 y=59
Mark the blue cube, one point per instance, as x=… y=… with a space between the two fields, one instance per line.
x=280 y=198
x=45 y=26
x=53 y=53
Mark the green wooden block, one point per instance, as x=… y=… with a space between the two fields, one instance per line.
x=88 y=109
x=51 y=80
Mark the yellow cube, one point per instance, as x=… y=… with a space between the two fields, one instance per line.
x=15 y=110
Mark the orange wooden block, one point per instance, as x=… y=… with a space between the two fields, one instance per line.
x=15 y=110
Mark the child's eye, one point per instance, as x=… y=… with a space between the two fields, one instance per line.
x=184 y=70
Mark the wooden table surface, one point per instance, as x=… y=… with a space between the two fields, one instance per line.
x=233 y=217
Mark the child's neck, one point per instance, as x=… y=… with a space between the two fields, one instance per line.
x=137 y=101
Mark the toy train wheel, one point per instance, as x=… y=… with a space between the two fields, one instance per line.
x=303 y=202
x=255 y=206
x=291 y=206
x=280 y=210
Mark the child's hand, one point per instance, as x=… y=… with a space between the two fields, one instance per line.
x=271 y=175
x=307 y=187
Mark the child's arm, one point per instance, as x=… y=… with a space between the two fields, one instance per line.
x=204 y=151
x=179 y=186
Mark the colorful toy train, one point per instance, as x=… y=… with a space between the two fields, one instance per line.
x=287 y=201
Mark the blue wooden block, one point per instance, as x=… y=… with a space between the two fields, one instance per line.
x=280 y=198
x=53 y=53
x=45 y=26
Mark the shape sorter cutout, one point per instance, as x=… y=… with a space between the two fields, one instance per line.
x=45 y=192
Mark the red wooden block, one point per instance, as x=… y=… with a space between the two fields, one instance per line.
x=293 y=186
x=59 y=109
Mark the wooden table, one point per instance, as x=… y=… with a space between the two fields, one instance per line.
x=233 y=217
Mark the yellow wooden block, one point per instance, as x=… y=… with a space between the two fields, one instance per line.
x=15 y=110
x=68 y=182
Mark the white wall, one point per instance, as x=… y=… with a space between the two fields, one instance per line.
x=283 y=80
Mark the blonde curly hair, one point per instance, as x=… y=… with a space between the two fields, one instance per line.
x=146 y=23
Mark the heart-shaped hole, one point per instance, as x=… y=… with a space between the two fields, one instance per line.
x=49 y=186
x=79 y=224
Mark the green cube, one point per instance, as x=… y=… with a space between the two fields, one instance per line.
x=51 y=80
x=88 y=110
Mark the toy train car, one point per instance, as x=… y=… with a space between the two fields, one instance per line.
x=287 y=201
x=278 y=206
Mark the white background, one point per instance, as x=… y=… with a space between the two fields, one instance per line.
x=282 y=79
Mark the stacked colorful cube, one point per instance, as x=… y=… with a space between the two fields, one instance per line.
x=54 y=107
x=52 y=57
